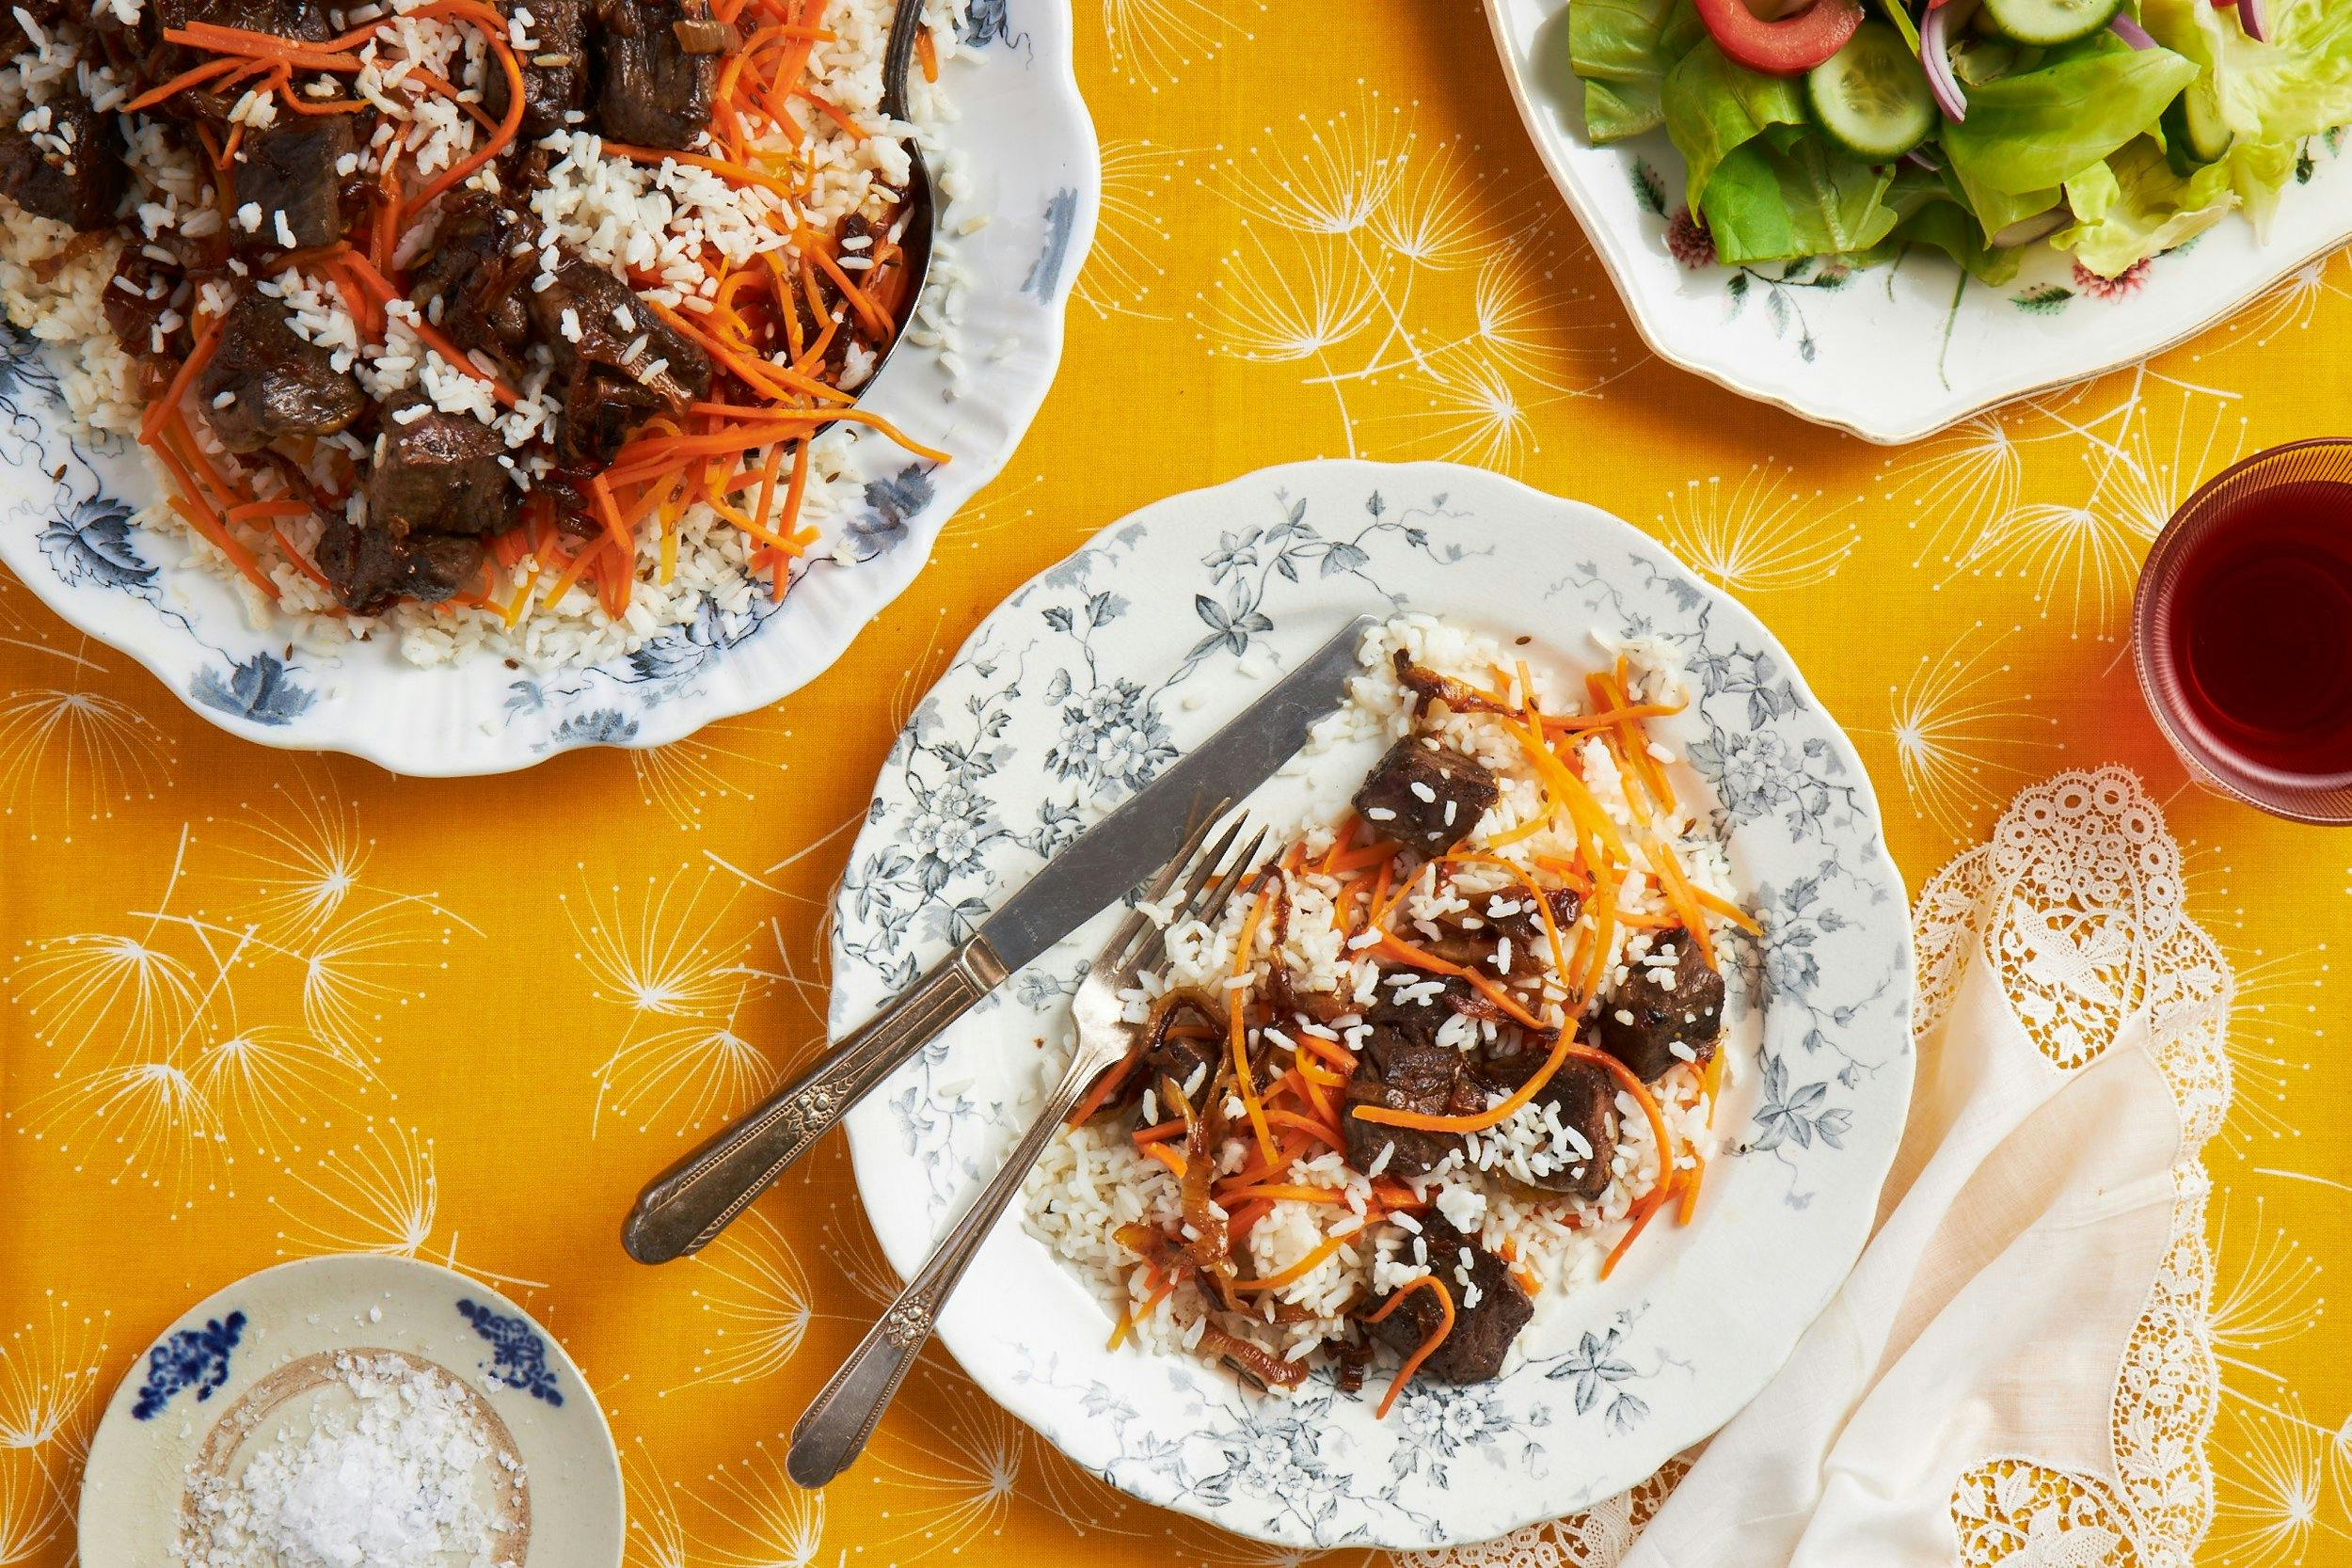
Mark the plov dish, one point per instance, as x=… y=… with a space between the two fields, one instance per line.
x=500 y=329
x=1444 y=1060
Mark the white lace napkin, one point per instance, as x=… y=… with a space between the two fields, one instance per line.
x=2020 y=1370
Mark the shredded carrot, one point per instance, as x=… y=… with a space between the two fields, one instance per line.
x=1168 y=1157
x=1428 y=1347
x=1644 y=1210
x=928 y=53
x=1237 y=1004
x=1689 y=1203
x=1305 y=1265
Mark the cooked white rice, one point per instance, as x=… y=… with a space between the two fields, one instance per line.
x=616 y=213
x=1094 y=1180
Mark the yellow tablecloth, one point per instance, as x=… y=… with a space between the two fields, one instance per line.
x=466 y=1029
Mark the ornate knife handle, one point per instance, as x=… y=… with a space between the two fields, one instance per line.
x=832 y=1432
x=683 y=1208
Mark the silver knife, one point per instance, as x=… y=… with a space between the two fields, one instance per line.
x=683 y=1208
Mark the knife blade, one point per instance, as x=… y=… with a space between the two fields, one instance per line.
x=1137 y=838
x=682 y=1208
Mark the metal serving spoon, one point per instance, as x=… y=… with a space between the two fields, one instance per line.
x=918 y=219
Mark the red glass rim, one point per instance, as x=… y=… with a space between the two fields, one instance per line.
x=2325 y=800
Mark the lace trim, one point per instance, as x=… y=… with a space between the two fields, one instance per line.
x=2078 y=899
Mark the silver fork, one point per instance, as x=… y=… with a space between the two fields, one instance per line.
x=833 y=1431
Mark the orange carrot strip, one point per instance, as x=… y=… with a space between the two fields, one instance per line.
x=1428 y=1347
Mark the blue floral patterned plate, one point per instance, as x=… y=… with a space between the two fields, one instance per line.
x=1087 y=682
x=266 y=1356
x=67 y=505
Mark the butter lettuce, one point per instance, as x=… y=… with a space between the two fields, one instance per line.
x=2134 y=206
x=2042 y=127
x=1620 y=50
x=1713 y=106
x=1775 y=199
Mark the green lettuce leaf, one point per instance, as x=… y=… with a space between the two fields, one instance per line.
x=1773 y=202
x=2297 y=84
x=2134 y=206
x=1621 y=51
x=1714 y=108
x=1927 y=211
x=2036 y=130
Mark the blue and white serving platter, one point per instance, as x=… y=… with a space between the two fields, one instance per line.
x=260 y=1358
x=1026 y=147
x=1085 y=684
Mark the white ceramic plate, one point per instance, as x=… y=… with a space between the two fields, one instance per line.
x=65 y=506
x=258 y=1358
x=1891 y=354
x=1088 y=681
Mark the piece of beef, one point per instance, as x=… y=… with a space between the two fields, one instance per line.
x=480 y=267
x=265 y=382
x=555 y=69
x=649 y=90
x=371 y=570
x=72 y=169
x=1662 y=1005
x=1490 y=1307
x=289 y=168
x=617 y=363
x=434 y=489
x=439 y=473
x=1585 y=1095
x=303 y=20
x=1425 y=795
x=1403 y=1067
x=137 y=300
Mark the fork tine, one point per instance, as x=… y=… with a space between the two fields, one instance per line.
x=1138 y=953
x=1206 y=893
x=1138 y=923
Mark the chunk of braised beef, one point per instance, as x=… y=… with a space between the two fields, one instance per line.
x=1585 y=1095
x=289 y=170
x=371 y=570
x=1663 y=1004
x=265 y=382
x=1425 y=795
x=439 y=473
x=138 y=301
x=478 y=269
x=70 y=169
x=617 y=363
x=555 y=69
x=1490 y=1307
x=650 y=91
x=1403 y=1067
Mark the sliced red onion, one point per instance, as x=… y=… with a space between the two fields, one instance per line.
x=1935 y=58
x=1918 y=159
x=2131 y=32
x=2250 y=17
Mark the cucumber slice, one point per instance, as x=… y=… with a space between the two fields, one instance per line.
x=2194 y=134
x=1871 y=97
x=2050 y=20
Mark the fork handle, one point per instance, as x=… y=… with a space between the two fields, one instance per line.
x=683 y=1208
x=833 y=1431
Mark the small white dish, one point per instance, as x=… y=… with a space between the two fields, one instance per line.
x=268 y=1356
x=1894 y=353
x=1089 y=681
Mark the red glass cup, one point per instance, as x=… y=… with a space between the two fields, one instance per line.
x=2242 y=632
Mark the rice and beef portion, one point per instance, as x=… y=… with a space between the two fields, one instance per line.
x=513 y=325
x=1442 y=1059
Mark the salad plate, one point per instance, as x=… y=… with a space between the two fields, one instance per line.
x=1079 y=690
x=1897 y=351
x=71 y=508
